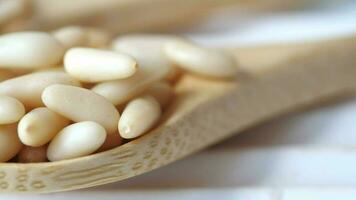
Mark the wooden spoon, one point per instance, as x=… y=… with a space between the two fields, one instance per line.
x=276 y=79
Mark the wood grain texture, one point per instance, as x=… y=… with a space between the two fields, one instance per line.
x=206 y=112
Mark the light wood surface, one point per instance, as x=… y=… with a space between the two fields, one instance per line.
x=121 y=16
x=273 y=80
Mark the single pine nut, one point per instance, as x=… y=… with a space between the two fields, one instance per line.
x=201 y=61
x=111 y=141
x=29 y=50
x=71 y=36
x=39 y=126
x=76 y=140
x=32 y=154
x=139 y=116
x=147 y=49
x=120 y=91
x=94 y=65
x=10 y=144
x=11 y=110
x=28 y=88
x=97 y=38
x=79 y=104
x=162 y=92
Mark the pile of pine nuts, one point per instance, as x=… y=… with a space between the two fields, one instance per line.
x=61 y=93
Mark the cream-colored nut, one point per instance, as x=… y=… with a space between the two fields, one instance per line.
x=162 y=92
x=71 y=36
x=28 y=88
x=98 y=38
x=120 y=91
x=153 y=67
x=10 y=144
x=39 y=126
x=139 y=116
x=32 y=154
x=76 y=140
x=79 y=104
x=11 y=110
x=29 y=50
x=201 y=61
x=146 y=49
x=95 y=65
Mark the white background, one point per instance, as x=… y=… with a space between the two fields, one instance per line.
x=305 y=155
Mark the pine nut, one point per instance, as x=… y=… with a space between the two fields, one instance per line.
x=39 y=126
x=93 y=65
x=139 y=116
x=152 y=55
x=76 y=140
x=137 y=78
x=120 y=91
x=79 y=104
x=162 y=92
x=201 y=61
x=11 y=110
x=29 y=50
x=10 y=144
x=71 y=36
x=28 y=88
x=32 y=154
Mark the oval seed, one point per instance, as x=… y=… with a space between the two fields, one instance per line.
x=162 y=92
x=39 y=126
x=10 y=144
x=147 y=49
x=11 y=110
x=120 y=91
x=76 y=140
x=140 y=115
x=202 y=61
x=94 y=65
x=79 y=104
x=28 y=88
x=29 y=50
x=32 y=154
x=71 y=36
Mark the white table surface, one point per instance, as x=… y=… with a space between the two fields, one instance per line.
x=305 y=155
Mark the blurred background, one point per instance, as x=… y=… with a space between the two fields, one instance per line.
x=306 y=155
